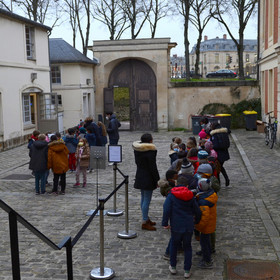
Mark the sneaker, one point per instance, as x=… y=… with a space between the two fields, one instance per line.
x=187 y=274
x=43 y=193
x=110 y=164
x=205 y=265
x=62 y=193
x=166 y=257
x=76 y=185
x=147 y=226
x=84 y=185
x=54 y=193
x=172 y=269
x=37 y=193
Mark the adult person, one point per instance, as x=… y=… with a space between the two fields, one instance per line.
x=147 y=175
x=221 y=143
x=113 y=128
x=95 y=129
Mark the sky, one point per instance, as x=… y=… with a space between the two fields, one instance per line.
x=168 y=28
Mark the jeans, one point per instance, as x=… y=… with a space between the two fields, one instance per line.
x=205 y=244
x=146 y=196
x=40 y=176
x=113 y=141
x=56 y=179
x=176 y=239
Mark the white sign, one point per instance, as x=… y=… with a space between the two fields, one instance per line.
x=114 y=153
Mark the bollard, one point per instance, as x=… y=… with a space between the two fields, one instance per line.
x=102 y=272
x=115 y=212
x=126 y=234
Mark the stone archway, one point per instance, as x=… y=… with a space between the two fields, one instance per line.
x=140 y=79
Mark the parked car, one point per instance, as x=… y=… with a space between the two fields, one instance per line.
x=222 y=73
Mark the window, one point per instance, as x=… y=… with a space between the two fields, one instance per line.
x=26 y=109
x=59 y=100
x=217 y=60
x=30 y=46
x=56 y=77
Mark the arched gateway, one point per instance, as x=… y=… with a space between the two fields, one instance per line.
x=141 y=66
x=140 y=80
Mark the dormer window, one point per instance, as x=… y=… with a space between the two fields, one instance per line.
x=30 y=42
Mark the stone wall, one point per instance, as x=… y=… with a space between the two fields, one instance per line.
x=185 y=101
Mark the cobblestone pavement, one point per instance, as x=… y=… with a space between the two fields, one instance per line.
x=247 y=226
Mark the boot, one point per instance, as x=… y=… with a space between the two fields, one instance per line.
x=151 y=223
x=148 y=226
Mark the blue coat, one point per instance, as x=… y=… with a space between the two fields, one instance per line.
x=181 y=209
x=71 y=143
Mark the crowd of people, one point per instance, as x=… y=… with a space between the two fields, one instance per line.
x=51 y=151
x=190 y=186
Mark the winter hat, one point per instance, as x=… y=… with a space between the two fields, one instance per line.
x=186 y=167
x=82 y=130
x=203 y=184
x=208 y=145
x=205 y=168
x=202 y=154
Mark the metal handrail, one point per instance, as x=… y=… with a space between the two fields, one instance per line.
x=66 y=242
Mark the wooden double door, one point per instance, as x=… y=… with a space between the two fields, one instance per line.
x=140 y=79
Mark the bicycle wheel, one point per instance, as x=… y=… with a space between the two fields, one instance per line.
x=266 y=134
x=272 y=138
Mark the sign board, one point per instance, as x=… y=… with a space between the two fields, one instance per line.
x=115 y=153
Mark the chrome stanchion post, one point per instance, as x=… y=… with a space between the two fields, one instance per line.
x=102 y=272
x=127 y=234
x=115 y=212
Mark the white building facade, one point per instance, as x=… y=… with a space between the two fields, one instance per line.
x=26 y=102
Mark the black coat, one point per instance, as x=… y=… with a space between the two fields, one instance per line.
x=39 y=156
x=147 y=174
x=221 y=143
x=113 y=128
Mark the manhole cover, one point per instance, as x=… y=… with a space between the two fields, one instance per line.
x=252 y=270
x=21 y=177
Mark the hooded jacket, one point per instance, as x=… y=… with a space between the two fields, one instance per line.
x=181 y=209
x=207 y=202
x=58 y=157
x=113 y=127
x=85 y=155
x=71 y=143
x=221 y=143
x=38 y=156
x=147 y=175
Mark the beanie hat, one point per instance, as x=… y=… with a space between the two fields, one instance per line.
x=205 y=168
x=202 y=154
x=82 y=130
x=203 y=184
x=186 y=167
x=208 y=145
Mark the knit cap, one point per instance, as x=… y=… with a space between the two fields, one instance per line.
x=186 y=167
x=203 y=184
x=205 y=168
x=202 y=154
x=208 y=145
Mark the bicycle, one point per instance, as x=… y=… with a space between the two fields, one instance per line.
x=270 y=130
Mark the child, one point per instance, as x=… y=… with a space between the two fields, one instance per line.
x=71 y=143
x=33 y=138
x=39 y=162
x=202 y=156
x=173 y=153
x=91 y=140
x=210 y=150
x=193 y=158
x=181 y=209
x=168 y=183
x=82 y=155
x=207 y=201
x=187 y=170
x=58 y=162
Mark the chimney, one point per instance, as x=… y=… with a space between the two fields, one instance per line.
x=225 y=36
x=205 y=38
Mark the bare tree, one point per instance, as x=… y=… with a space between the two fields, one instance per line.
x=110 y=13
x=244 y=10
x=37 y=10
x=137 y=12
x=200 y=17
x=159 y=10
x=183 y=7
